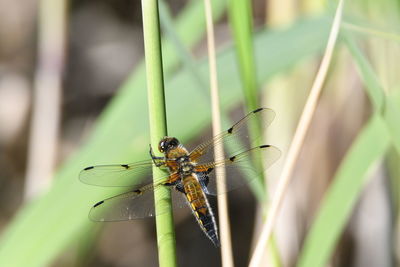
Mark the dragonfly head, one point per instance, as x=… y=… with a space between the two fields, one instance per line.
x=168 y=143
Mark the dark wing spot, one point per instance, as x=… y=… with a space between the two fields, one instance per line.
x=232 y=158
x=230 y=130
x=264 y=146
x=209 y=170
x=98 y=204
x=88 y=168
x=257 y=110
x=125 y=166
x=137 y=191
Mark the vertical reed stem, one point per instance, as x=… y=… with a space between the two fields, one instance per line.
x=158 y=128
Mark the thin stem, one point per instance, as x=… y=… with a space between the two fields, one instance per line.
x=298 y=140
x=226 y=246
x=158 y=128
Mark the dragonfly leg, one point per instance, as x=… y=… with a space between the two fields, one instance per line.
x=154 y=158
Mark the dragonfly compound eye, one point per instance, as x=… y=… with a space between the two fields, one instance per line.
x=173 y=143
x=161 y=146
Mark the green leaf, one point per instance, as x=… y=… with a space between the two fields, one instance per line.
x=368 y=76
x=385 y=105
x=391 y=115
x=181 y=51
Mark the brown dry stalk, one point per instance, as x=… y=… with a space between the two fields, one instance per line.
x=225 y=236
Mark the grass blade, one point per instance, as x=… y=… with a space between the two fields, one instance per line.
x=367 y=149
x=368 y=76
x=385 y=105
x=184 y=54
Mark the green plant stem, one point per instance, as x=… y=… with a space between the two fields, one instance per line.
x=240 y=18
x=158 y=128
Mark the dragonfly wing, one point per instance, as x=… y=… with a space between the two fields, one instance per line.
x=240 y=169
x=138 y=203
x=117 y=175
x=237 y=138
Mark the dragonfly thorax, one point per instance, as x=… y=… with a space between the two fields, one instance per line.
x=185 y=166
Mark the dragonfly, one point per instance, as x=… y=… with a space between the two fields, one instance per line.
x=191 y=175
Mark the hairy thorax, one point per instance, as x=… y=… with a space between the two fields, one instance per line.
x=182 y=165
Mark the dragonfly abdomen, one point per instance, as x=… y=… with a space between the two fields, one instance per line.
x=201 y=209
x=208 y=225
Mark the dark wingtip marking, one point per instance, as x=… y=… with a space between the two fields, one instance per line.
x=257 y=110
x=88 y=168
x=125 y=166
x=232 y=158
x=210 y=170
x=137 y=191
x=230 y=130
x=98 y=204
x=264 y=146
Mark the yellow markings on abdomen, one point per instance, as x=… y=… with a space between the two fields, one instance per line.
x=201 y=209
x=196 y=199
x=195 y=195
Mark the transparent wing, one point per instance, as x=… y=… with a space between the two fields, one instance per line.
x=237 y=138
x=117 y=175
x=138 y=203
x=240 y=168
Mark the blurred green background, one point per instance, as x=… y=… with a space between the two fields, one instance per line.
x=73 y=94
